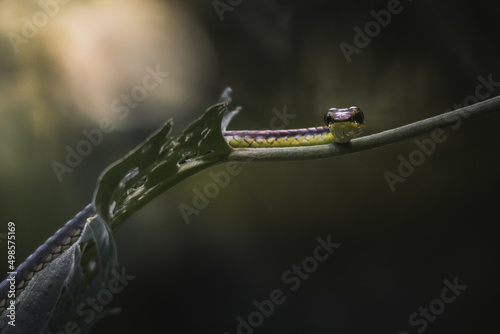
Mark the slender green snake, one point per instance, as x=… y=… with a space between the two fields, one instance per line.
x=341 y=125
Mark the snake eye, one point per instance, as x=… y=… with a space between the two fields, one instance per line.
x=328 y=118
x=358 y=117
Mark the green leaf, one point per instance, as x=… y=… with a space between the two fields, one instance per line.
x=158 y=164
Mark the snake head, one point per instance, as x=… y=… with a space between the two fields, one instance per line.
x=345 y=124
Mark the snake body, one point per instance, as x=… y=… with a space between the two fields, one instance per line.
x=45 y=254
x=279 y=138
x=341 y=125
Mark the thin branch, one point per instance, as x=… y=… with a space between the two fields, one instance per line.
x=452 y=118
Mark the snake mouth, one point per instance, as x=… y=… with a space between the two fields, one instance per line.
x=358 y=117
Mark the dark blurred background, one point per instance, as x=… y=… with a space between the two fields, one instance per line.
x=63 y=76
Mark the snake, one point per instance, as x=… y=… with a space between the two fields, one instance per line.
x=341 y=125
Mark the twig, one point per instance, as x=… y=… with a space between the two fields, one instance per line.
x=377 y=140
